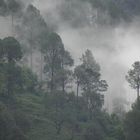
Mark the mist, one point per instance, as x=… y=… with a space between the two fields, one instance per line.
x=69 y=69
x=115 y=47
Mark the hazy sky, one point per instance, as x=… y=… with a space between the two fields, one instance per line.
x=114 y=48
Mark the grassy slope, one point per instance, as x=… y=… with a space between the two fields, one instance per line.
x=41 y=127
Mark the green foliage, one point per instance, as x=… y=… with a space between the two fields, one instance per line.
x=14 y=6
x=9 y=130
x=28 y=112
x=10 y=72
x=12 y=51
x=57 y=63
x=2 y=7
x=133 y=77
x=10 y=7
x=57 y=114
x=14 y=80
x=29 y=81
x=88 y=77
x=32 y=32
x=131 y=123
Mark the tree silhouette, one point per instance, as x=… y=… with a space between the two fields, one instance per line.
x=133 y=77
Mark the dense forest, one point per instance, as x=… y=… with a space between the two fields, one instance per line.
x=60 y=100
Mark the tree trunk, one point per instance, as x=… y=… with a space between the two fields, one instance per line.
x=52 y=77
x=77 y=91
x=12 y=18
x=138 y=90
x=31 y=47
x=52 y=81
x=9 y=79
x=41 y=68
x=31 y=59
x=63 y=86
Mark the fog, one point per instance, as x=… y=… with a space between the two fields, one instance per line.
x=115 y=48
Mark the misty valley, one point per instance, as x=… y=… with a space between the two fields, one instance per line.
x=69 y=70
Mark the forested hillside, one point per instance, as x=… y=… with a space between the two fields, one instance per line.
x=51 y=98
